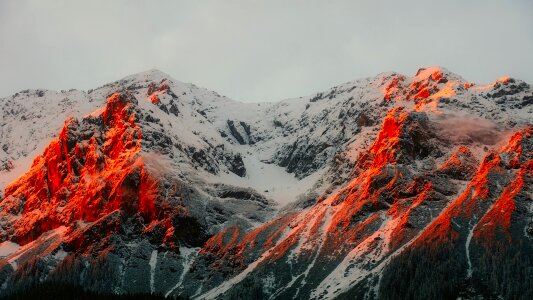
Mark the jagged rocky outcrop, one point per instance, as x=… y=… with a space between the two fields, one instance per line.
x=99 y=197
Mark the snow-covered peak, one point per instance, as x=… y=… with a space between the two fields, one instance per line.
x=149 y=75
x=433 y=72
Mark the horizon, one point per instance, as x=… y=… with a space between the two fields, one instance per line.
x=267 y=100
x=259 y=52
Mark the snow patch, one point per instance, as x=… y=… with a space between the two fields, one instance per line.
x=60 y=255
x=7 y=248
x=271 y=180
x=467 y=249
x=188 y=254
x=152 y=263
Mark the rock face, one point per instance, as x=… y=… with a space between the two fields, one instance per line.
x=401 y=187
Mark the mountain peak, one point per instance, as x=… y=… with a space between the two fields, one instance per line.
x=155 y=75
x=424 y=73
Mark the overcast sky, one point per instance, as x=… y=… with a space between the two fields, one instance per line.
x=259 y=50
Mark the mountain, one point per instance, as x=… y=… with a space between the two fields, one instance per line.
x=390 y=187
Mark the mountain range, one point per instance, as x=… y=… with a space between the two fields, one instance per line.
x=388 y=187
